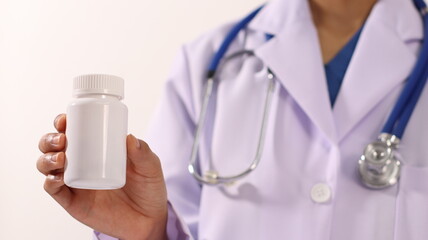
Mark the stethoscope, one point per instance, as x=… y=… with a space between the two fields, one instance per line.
x=379 y=166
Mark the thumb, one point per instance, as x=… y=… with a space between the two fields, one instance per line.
x=141 y=159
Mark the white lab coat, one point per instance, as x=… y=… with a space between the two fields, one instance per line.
x=307 y=141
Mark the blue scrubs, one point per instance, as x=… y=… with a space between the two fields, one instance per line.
x=335 y=70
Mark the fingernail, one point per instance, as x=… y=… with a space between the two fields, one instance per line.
x=137 y=142
x=56 y=119
x=55 y=139
x=54 y=177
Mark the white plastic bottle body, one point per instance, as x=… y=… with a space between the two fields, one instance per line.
x=96 y=142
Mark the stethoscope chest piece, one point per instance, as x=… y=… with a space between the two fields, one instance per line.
x=379 y=166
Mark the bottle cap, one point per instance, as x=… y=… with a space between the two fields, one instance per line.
x=98 y=84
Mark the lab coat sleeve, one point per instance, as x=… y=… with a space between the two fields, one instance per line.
x=176 y=228
x=170 y=136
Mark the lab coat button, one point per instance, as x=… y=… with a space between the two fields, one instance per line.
x=320 y=193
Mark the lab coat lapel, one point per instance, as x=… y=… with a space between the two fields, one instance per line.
x=295 y=58
x=382 y=61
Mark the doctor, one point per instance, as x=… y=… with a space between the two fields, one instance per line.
x=339 y=67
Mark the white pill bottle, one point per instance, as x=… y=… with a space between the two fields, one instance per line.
x=97 y=123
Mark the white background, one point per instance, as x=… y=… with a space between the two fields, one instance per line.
x=43 y=44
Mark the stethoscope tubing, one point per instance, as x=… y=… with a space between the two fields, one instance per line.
x=212 y=177
x=403 y=121
x=212 y=68
x=391 y=133
x=406 y=103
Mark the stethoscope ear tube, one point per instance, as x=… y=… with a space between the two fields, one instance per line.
x=212 y=177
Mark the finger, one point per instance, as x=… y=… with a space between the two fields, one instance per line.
x=60 y=123
x=52 y=142
x=142 y=159
x=51 y=163
x=54 y=186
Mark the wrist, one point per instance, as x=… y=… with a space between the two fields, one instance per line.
x=149 y=229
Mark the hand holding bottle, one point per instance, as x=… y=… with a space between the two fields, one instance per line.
x=136 y=211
